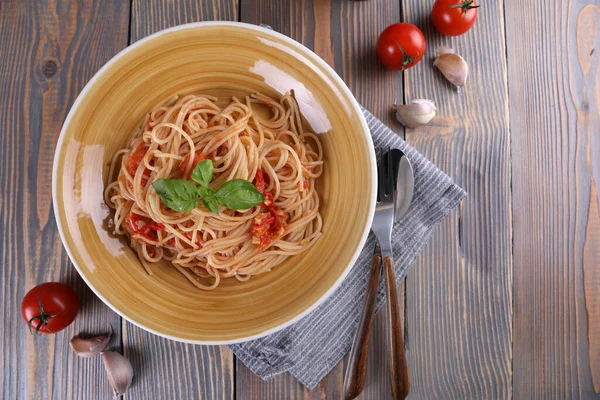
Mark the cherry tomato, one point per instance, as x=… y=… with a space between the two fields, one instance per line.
x=401 y=46
x=49 y=307
x=454 y=17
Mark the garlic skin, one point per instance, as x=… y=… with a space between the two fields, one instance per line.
x=89 y=347
x=452 y=66
x=418 y=112
x=118 y=370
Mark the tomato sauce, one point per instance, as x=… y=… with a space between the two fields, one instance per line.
x=135 y=159
x=267 y=225
x=139 y=225
x=198 y=156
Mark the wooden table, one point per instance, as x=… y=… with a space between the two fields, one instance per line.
x=504 y=301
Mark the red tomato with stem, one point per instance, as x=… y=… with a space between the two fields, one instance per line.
x=49 y=307
x=401 y=46
x=454 y=17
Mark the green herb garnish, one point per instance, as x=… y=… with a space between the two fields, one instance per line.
x=177 y=194
x=239 y=194
x=182 y=195
x=203 y=172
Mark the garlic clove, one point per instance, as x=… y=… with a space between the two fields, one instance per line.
x=91 y=346
x=445 y=50
x=452 y=66
x=418 y=112
x=118 y=370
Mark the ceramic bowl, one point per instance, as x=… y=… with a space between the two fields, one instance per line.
x=220 y=59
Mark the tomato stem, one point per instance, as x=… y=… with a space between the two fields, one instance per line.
x=466 y=6
x=406 y=58
x=43 y=317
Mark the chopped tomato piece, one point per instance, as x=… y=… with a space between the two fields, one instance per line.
x=151 y=251
x=268 y=199
x=135 y=159
x=198 y=156
x=145 y=177
x=303 y=187
x=267 y=225
x=259 y=181
x=139 y=225
x=157 y=226
x=260 y=184
x=262 y=224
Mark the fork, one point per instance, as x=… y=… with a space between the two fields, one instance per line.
x=383 y=221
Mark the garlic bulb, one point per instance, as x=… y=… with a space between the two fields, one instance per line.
x=452 y=66
x=418 y=112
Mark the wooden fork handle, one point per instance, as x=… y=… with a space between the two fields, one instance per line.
x=354 y=380
x=398 y=366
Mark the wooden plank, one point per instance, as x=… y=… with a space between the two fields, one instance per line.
x=149 y=16
x=555 y=124
x=459 y=290
x=344 y=34
x=50 y=51
x=170 y=369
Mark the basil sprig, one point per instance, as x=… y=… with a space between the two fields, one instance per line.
x=182 y=195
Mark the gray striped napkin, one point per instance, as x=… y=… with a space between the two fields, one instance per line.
x=314 y=345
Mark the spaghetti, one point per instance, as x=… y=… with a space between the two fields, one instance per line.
x=275 y=153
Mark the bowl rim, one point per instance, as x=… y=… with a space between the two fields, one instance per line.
x=318 y=61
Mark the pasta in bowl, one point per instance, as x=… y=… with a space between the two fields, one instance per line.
x=214 y=182
x=191 y=145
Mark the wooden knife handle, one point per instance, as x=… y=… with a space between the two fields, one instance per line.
x=398 y=366
x=354 y=380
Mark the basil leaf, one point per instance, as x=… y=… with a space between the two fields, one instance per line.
x=208 y=198
x=239 y=194
x=177 y=194
x=203 y=172
x=205 y=192
x=211 y=203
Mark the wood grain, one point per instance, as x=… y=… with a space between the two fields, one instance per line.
x=166 y=369
x=459 y=290
x=178 y=370
x=149 y=16
x=554 y=84
x=344 y=33
x=53 y=50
